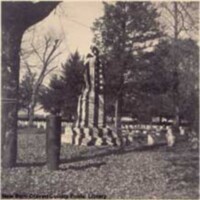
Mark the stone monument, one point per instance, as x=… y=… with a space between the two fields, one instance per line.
x=91 y=112
x=90 y=127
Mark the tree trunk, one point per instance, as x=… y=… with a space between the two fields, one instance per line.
x=28 y=111
x=175 y=75
x=32 y=107
x=118 y=111
x=11 y=41
x=176 y=118
x=31 y=115
x=16 y=18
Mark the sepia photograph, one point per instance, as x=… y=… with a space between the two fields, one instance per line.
x=100 y=99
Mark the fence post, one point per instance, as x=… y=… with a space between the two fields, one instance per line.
x=53 y=134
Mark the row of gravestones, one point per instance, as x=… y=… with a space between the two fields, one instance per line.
x=37 y=124
x=156 y=134
x=40 y=124
x=153 y=133
x=53 y=139
x=143 y=134
x=125 y=127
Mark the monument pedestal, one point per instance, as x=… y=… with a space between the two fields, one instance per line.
x=90 y=137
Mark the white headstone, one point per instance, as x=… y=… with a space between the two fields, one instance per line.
x=170 y=137
x=182 y=130
x=67 y=136
x=150 y=140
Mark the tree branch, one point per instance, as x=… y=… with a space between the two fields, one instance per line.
x=56 y=45
x=169 y=11
x=56 y=55
x=53 y=68
x=47 y=44
x=37 y=53
x=188 y=14
x=183 y=27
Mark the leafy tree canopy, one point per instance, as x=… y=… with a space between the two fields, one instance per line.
x=151 y=92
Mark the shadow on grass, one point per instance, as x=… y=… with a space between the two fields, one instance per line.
x=33 y=164
x=83 y=167
x=87 y=156
x=117 y=151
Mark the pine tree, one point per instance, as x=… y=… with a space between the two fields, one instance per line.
x=72 y=78
x=61 y=96
x=124 y=30
x=25 y=90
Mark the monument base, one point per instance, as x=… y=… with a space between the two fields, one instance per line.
x=95 y=137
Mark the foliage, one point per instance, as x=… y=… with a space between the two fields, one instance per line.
x=187 y=59
x=189 y=81
x=125 y=29
x=151 y=91
x=26 y=89
x=146 y=77
x=123 y=25
x=51 y=97
x=61 y=96
x=72 y=78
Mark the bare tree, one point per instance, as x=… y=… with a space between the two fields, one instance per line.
x=48 y=53
x=180 y=19
x=16 y=18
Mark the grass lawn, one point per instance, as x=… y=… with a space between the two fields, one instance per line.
x=147 y=173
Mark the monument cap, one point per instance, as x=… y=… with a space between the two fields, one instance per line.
x=94 y=50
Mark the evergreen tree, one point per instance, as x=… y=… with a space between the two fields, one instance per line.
x=52 y=97
x=25 y=91
x=61 y=96
x=124 y=30
x=151 y=92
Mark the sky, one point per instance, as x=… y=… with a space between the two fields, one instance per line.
x=71 y=22
x=77 y=22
